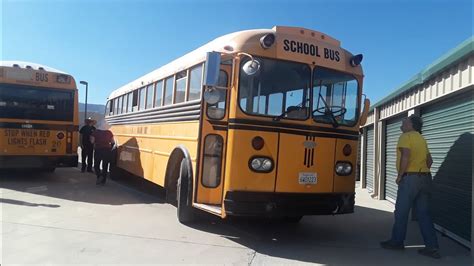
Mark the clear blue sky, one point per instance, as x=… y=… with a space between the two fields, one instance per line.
x=110 y=43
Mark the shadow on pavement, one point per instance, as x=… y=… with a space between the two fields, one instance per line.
x=71 y=184
x=350 y=239
x=29 y=204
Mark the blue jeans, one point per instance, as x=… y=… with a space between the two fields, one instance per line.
x=414 y=191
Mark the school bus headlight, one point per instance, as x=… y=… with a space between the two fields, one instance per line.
x=63 y=79
x=267 y=40
x=356 y=60
x=261 y=164
x=343 y=168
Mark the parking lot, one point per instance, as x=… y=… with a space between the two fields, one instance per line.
x=64 y=218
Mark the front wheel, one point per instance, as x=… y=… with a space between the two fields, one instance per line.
x=292 y=219
x=183 y=195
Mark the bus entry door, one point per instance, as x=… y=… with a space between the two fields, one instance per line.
x=213 y=143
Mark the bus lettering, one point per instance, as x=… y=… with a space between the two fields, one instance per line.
x=17 y=141
x=331 y=54
x=37 y=141
x=11 y=132
x=310 y=49
x=43 y=77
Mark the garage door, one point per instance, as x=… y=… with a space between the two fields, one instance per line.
x=449 y=128
x=369 y=159
x=392 y=133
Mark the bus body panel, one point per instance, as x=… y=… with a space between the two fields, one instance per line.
x=305 y=155
x=240 y=151
x=144 y=149
x=345 y=183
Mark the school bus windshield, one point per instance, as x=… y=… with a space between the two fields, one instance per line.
x=335 y=97
x=281 y=89
x=23 y=102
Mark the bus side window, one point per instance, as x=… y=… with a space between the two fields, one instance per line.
x=217 y=111
x=135 y=101
x=107 y=108
x=130 y=102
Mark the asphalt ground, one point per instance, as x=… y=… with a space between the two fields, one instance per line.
x=63 y=218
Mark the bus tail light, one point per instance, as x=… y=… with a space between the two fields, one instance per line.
x=257 y=143
x=343 y=168
x=69 y=142
x=261 y=164
x=347 y=150
x=60 y=135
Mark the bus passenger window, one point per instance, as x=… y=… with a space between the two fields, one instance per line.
x=124 y=104
x=168 y=91
x=116 y=105
x=119 y=106
x=142 y=98
x=135 y=101
x=217 y=111
x=181 y=80
x=195 y=86
x=130 y=102
x=158 y=93
x=108 y=108
x=149 y=96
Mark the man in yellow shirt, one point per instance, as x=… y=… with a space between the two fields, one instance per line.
x=414 y=187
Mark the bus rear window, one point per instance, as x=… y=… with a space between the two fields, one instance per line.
x=20 y=102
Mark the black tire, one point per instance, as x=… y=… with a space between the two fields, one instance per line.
x=183 y=195
x=49 y=169
x=292 y=219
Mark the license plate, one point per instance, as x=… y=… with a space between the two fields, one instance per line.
x=308 y=178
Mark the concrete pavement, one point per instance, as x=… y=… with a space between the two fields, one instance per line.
x=64 y=218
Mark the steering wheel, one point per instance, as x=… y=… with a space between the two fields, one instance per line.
x=335 y=110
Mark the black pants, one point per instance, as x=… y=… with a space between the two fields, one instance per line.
x=102 y=155
x=87 y=154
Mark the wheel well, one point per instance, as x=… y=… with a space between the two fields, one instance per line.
x=172 y=171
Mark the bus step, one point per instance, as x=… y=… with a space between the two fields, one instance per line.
x=214 y=209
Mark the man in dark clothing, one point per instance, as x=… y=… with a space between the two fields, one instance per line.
x=103 y=141
x=87 y=149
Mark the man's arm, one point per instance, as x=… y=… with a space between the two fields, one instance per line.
x=429 y=160
x=405 y=156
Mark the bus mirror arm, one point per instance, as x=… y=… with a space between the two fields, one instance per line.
x=365 y=112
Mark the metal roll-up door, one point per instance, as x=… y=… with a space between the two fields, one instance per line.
x=369 y=159
x=392 y=133
x=358 y=160
x=449 y=128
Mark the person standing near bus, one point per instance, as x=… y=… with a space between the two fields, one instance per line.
x=414 y=188
x=103 y=141
x=87 y=149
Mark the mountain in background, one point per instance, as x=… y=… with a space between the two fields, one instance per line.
x=94 y=111
x=96 y=108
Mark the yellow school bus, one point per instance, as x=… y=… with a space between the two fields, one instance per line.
x=254 y=123
x=38 y=117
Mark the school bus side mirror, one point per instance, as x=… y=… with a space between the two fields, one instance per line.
x=365 y=112
x=211 y=69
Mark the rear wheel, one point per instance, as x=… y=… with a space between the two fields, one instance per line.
x=183 y=195
x=49 y=169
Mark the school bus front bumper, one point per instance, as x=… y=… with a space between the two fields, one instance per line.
x=245 y=203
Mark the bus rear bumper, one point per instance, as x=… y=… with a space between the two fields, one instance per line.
x=244 y=203
x=27 y=161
